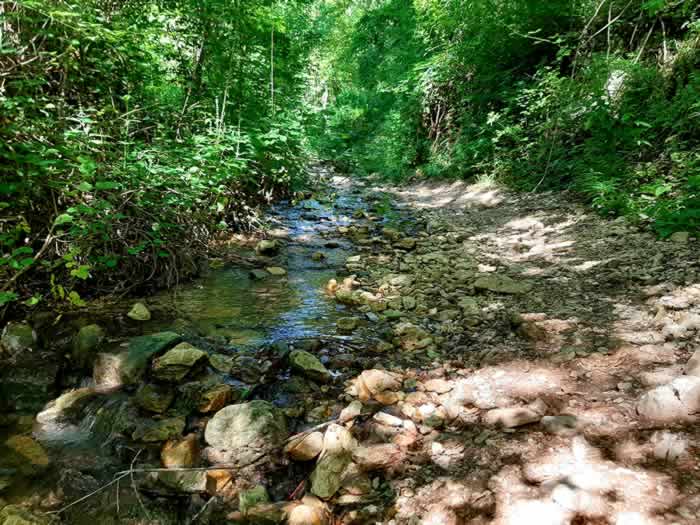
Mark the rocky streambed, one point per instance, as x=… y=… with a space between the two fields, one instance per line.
x=442 y=356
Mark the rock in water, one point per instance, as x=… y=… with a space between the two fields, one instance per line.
x=176 y=363
x=85 y=344
x=141 y=350
x=501 y=284
x=17 y=337
x=258 y=274
x=267 y=247
x=243 y=433
x=277 y=271
x=139 y=312
x=214 y=398
x=309 y=365
x=347 y=324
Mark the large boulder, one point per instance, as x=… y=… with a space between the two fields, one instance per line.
x=176 y=363
x=17 y=337
x=308 y=365
x=141 y=351
x=242 y=434
x=86 y=343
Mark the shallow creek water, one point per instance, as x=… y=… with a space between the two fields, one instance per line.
x=249 y=312
x=228 y=310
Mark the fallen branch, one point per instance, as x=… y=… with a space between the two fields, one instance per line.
x=312 y=429
x=124 y=473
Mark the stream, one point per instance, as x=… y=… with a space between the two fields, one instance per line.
x=246 y=318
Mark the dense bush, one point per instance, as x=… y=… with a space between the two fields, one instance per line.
x=130 y=132
x=600 y=96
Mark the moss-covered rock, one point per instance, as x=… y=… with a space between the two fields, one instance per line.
x=308 y=365
x=86 y=343
x=139 y=312
x=245 y=432
x=154 y=398
x=154 y=431
x=176 y=363
x=141 y=351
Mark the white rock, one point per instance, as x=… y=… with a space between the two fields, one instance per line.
x=388 y=419
x=692 y=368
x=676 y=401
x=668 y=446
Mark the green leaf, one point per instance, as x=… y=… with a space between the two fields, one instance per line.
x=75 y=299
x=64 y=218
x=7 y=297
x=22 y=250
x=33 y=301
x=85 y=186
x=82 y=272
x=106 y=185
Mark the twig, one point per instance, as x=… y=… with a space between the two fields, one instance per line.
x=609 y=24
x=176 y=469
x=549 y=159
x=80 y=500
x=133 y=485
x=646 y=39
x=310 y=430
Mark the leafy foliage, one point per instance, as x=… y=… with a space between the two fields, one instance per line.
x=600 y=96
x=132 y=132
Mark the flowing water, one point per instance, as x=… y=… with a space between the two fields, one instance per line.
x=227 y=308
x=249 y=312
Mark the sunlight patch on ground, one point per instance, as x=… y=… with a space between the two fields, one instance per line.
x=458 y=194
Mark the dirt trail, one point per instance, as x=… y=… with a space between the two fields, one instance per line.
x=558 y=388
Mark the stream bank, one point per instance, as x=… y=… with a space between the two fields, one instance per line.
x=437 y=354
